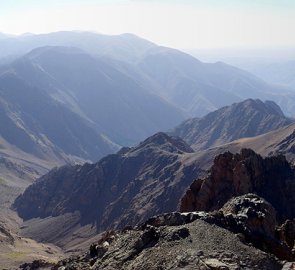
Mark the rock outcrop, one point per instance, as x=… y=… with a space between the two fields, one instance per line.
x=232 y=175
x=266 y=218
x=176 y=241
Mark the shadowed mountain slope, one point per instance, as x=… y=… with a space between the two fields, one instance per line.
x=237 y=221
x=124 y=188
x=120 y=189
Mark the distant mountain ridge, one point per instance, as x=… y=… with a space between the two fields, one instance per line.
x=199 y=88
x=97 y=91
x=125 y=46
x=248 y=118
x=194 y=87
x=281 y=73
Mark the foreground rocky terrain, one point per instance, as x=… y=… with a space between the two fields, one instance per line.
x=241 y=216
x=239 y=236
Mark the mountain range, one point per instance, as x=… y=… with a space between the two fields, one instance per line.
x=137 y=182
x=114 y=88
x=128 y=186
x=96 y=108
x=281 y=73
x=189 y=84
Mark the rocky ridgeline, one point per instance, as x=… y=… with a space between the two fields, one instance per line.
x=111 y=192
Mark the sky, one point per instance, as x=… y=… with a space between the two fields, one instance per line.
x=173 y=23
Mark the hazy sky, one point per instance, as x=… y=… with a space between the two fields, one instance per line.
x=174 y=23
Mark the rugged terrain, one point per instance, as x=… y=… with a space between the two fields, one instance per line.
x=244 y=119
x=163 y=167
x=69 y=97
x=233 y=175
x=237 y=230
x=176 y=242
x=129 y=186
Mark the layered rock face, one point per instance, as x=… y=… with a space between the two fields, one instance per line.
x=232 y=175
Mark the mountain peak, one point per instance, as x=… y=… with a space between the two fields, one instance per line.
x=153 y=167
x=269 y=106
x=248 y=118
x=166 y=142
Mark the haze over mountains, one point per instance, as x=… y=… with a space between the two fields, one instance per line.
x=281 y=73
x=274 y=65
x=67 y=98
x=119 y=85
x=189 y=84
x=142 y=181
x=96 y=90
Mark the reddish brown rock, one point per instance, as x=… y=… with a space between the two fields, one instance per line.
x=232 y=175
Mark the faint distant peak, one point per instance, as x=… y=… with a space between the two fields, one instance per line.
x=27 y=34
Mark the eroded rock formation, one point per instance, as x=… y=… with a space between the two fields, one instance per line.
x=232 y=175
